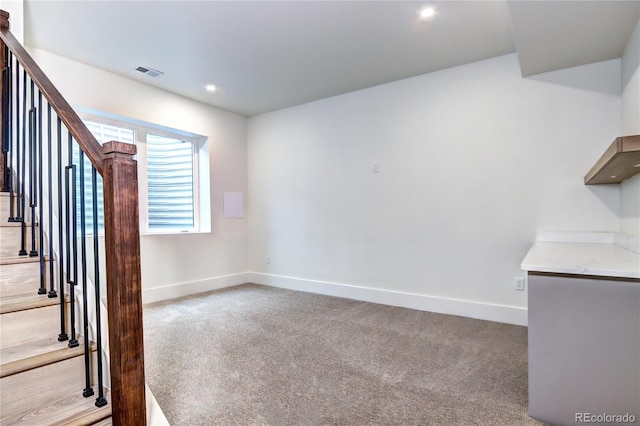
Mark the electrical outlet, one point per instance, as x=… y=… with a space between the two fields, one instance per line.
x=268 y=260
x=518 y=283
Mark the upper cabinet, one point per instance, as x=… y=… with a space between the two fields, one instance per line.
x=619 y=162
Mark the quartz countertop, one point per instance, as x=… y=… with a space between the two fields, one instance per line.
x=582 y=258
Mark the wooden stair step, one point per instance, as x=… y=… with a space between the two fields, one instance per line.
x=32 y=324
x=4 y=223
x=6 y=226
x=37 y=354
x=16 y=260
x=5 y=205
x=72 y=409
x=23 y=302
x=51 y=394
x=105 y=422
x=89 y=415
x=22 y=277
x=10 y=237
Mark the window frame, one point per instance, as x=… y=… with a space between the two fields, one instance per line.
x=201 y=196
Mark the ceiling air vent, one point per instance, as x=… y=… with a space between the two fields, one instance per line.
x=149 y=71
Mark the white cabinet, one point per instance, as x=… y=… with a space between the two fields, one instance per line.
x=584 y=328
x=584 y=347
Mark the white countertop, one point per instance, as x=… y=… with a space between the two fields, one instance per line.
x=582 y=258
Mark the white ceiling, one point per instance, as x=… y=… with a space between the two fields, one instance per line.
x=268 y=55
x=552 y=35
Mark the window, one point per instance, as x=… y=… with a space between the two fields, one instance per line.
x=103 y=133
x=170 y=174
x=170 y=182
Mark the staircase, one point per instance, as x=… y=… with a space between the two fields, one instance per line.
x=51 y=162
x=39 y=380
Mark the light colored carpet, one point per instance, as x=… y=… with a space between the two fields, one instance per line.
x=259 y=355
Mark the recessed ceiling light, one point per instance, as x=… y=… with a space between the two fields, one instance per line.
x=211 y=88
x=427 y=12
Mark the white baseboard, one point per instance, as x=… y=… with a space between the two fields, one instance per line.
x=484 y=311
x=172 y=291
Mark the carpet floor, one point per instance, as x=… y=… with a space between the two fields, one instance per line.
x=254 y=355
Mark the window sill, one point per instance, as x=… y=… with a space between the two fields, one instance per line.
x=173 y=232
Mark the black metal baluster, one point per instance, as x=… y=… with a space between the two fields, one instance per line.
x=10 y=138
x=6 y=94
x=72 y=246
x=101 y=400
x=32 y=176
x=88 y=390
x=23 y=166
x=52 y=292
x=14 y=142
x=33 y=180
x=37 y=155
x=63 y=330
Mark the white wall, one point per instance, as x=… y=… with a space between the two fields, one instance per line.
x=631 y=84
x=630 y=189
x=473 y=160
x=173 y=265
x=16 y=17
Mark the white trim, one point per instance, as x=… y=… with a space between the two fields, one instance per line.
x=141 y=130
x=478 y=310
x=155 y=415
x=442 y=305
x=173 y=291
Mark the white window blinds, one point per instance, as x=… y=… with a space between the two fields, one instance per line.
x=170 y=182
x=103 y=133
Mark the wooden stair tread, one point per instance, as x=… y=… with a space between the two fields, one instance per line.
x=4 y=223
x=20 y=327
x=7 y=224
x=23 y=277
x=37 y=353
x=10 y=236
x=105 y=422
x=40 y=395
x=12 y=260
x=73 y=409
x=25 y=350
x=23 y=302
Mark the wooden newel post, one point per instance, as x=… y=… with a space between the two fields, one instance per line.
x=4 y=20
x=124 y=285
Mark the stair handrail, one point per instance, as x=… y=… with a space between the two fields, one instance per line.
x=78 y=130
x=114 y=162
